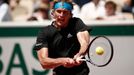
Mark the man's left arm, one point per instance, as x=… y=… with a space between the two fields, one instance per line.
x=84 y=39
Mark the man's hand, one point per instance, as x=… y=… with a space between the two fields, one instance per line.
x=77 y=58
x=68 y=62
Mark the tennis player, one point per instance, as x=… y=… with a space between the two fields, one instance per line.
x=59 y=45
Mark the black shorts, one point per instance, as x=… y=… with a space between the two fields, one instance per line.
x=82 y=69
x=83 y=72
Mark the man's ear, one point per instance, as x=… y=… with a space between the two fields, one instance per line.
x=52 y=14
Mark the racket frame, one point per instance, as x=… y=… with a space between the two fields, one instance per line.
x=112 y=52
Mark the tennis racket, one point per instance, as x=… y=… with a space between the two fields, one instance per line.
x=100 y=51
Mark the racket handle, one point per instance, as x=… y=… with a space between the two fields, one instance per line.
x=82 y=59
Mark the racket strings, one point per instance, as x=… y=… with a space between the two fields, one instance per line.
x=100 y=59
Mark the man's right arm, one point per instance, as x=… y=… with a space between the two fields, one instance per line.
x=49 y=63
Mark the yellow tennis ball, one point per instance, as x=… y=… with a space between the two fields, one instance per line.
x=99 y=50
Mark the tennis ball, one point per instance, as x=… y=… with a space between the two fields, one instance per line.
x=99 y=50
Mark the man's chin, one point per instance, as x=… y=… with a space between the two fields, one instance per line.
x=61 y=23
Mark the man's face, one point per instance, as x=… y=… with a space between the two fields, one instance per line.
x=110 y=10
x=62 y=17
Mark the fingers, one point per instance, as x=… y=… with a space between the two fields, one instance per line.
x=78 y=58
x=69 y=62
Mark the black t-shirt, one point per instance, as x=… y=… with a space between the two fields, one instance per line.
x=63 y=42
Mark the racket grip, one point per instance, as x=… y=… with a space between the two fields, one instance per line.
x=82 y=59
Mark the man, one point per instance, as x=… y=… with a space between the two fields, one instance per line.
x=60 y=44
x=111 y=12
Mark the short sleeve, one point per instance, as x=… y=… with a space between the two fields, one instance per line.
x=78 y=25
x=41 y=40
